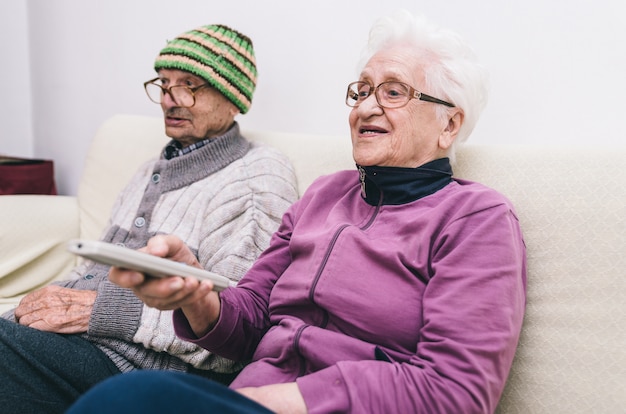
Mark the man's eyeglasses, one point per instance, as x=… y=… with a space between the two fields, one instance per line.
x=183 y=96
x=388 y=94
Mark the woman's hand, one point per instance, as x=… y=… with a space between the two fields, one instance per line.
x=280 y=398
x=195 y=298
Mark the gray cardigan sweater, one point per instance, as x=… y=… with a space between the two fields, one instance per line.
x=224 y=200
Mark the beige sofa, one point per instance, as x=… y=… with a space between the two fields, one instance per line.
x=571 y=203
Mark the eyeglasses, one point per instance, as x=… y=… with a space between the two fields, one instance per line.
x=388 y=94
x=183 y=96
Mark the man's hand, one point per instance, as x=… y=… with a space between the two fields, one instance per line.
x=56 y=309
x=195 y=298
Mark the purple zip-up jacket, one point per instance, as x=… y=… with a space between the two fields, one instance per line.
x=409 y=308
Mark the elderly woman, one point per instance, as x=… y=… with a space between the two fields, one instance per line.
x=392 y=289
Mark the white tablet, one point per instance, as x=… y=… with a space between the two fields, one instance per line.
x=148 y=264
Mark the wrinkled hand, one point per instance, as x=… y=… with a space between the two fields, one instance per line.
x=56 y=309
x=195 y=298
x=280 y=398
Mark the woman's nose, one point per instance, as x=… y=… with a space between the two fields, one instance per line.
x=370 y=105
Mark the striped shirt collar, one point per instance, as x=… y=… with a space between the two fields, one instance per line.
x=175 y=149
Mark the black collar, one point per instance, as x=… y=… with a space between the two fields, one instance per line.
x=397 y=185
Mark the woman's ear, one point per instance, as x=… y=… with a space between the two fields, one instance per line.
x=451 y=130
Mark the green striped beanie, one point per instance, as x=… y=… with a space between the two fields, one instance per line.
x=218 y=54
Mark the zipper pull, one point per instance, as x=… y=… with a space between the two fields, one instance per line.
x=362 y=179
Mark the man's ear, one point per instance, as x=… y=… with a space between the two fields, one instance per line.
x=234 y=111
x=449 y=133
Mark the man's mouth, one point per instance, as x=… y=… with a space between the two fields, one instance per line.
x=175 y=122
x=175 y=118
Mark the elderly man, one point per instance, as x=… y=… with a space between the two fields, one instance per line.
x=210 y=186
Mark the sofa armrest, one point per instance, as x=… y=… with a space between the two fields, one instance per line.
x=33 y=237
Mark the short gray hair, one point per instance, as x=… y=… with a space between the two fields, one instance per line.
x=450 y=66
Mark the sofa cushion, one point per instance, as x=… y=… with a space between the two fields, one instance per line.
x=35 y=229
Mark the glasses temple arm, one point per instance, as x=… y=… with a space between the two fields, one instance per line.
x=428 y=98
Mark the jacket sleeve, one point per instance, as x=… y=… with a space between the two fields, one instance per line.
x=245 y=316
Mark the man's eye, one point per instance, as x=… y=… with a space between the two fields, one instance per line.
x=363 y=91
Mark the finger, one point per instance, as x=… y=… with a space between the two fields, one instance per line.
x=163 y=245
x=27 y=305
x=125 y=278
x=171 y=293
x=35 y=320
x=195 y=293
x=47 y=323
x=161 y=293
x=170 y=247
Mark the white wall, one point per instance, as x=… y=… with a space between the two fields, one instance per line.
x=16 y=135
x=557 y=67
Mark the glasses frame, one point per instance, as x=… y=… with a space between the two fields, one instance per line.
x=168 y=91
x=413 y=94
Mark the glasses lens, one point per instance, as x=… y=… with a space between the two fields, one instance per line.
x=357 y=93
x=182 y=95
x=154 y=92
x=392 y=94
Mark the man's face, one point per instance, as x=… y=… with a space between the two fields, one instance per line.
x=211 y=115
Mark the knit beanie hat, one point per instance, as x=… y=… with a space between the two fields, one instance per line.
x=218 y=54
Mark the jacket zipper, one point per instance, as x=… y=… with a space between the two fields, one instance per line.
x=318 y=274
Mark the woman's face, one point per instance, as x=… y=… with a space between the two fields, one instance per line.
x=401 y=137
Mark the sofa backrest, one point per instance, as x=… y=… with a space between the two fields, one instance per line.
x=124 y=142
x=120 y=146
x=571 y=203
x=572 y=206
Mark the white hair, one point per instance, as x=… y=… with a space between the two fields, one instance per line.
x=451 y=70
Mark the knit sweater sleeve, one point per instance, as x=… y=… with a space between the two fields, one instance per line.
x=236 y=227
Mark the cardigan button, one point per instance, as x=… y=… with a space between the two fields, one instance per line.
x=140 y=222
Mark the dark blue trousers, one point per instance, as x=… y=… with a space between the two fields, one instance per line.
x=43 y=372
x=154 y=392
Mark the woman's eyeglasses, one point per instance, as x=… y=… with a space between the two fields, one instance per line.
x=388 y=94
